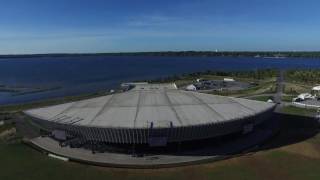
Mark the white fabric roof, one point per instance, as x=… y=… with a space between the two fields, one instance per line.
x=139 y=107
x=316 y=88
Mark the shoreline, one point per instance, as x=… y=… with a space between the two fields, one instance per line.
x=47 y=102
x=253 y=54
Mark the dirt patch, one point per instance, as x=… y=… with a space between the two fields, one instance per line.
x=8 y=133
x=264 y=168
x=292 y=88
x=254 y=164
x=305 y=149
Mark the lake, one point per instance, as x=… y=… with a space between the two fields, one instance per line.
x=63 y=76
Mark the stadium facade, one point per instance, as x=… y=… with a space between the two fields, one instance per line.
x=152 y=115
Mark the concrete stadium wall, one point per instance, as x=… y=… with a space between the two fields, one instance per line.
x=141 y=136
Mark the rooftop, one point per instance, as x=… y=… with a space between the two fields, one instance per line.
x=161 y=105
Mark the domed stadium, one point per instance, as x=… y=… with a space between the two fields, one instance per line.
x=151 y=115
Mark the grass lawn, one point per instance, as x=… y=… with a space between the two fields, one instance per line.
x=5 y=127
x=294 y=88
x=298 y=111
x=21 y=162
x=288 y=98
x=262 y=98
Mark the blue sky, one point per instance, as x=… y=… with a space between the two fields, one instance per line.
x=75 y=26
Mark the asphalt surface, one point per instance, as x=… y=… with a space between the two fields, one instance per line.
x=280 y=87
x=277 y=98
x=211 y=153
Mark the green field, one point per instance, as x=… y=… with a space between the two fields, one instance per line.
x=21 y=162
x=298 y=111
x=288 y=98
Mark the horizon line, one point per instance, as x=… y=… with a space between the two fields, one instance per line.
x=165 y=51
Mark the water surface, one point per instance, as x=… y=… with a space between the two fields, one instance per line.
x=76 y=75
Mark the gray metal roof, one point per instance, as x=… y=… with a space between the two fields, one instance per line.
x=161 y=105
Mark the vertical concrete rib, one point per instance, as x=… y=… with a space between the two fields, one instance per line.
x=126 y=135
x=207 y=106
x=137 y=110
x=103 y=108
x=237 y=102
x=172 y=108
x=110 y=135
x=129 y=135
x=122 y=135
x=118 y=135
x=64 y=111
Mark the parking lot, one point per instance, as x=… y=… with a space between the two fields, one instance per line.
x=222 y=85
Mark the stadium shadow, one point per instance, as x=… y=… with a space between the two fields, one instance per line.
x=281 y=130
x=292 y=129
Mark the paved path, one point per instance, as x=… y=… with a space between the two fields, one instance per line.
x=112 y=159
x=277 y=98
x=258 y=95
x=154 y=161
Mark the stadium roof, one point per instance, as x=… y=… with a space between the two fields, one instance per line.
x=160 y=105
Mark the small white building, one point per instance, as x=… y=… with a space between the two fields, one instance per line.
x=228 y=80
x=191 y=87
x=303 y=96
x=316 y=90
x=270 y=101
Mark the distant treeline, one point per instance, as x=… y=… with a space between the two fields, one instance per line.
x=256 y=75
x=311 y=76
x=309 y=54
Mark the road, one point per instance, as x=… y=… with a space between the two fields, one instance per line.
x=277 y=98
x=280 y=87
